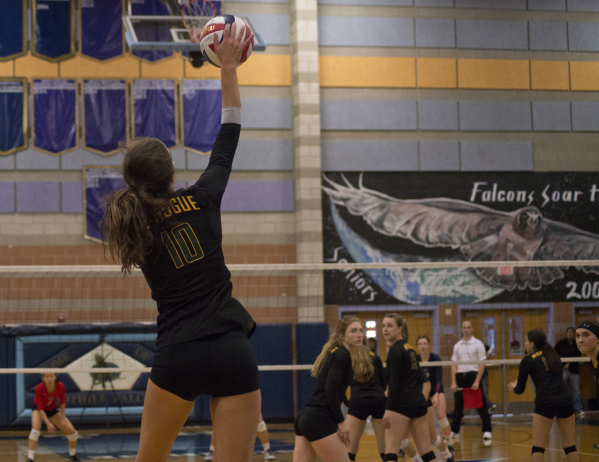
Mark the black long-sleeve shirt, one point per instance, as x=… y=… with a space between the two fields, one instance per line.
x=550 y=389
x=375 y=387
x=187 y=273
x=405 y=380
x=434 y=373
x=336 y=374
x=565 y=349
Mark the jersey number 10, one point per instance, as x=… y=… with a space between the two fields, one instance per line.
x=185 y=242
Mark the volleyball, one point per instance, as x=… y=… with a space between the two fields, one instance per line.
x=213 y=30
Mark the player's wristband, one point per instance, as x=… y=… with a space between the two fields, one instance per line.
x=231 y=115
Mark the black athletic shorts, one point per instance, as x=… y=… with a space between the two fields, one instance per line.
x=216 y=365
x=411 y=412
x=429 y=403
x=49 y=413
x=314 y=426
x=361 y=408
x=550 y=411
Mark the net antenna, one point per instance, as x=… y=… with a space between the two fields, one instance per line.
x=195 y=14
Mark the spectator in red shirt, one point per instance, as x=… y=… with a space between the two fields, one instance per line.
x=45 y=409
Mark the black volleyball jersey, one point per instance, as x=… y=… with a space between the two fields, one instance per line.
x=549 y=387
x=375 y=387
x=434 y=373
x=336 y=374
x=186 y=271
x=405 y=379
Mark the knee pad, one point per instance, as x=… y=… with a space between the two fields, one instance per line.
x=262 y=426
x=437 y=442
x=34 y=435
x=444 y=422
x=429 y=456
x=390 y=457
x=538 y=449
x=404 y=444
x=570 y=449
x=73 y=436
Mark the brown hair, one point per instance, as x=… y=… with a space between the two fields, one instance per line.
x=132 y=212
x=425 y=337
x=401 y=322
x=360 y=356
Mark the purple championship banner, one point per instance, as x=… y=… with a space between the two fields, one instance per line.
x=13 y=115
x=201 y=105
x=13 y=29
x=154 y=110
x=53 y=38
x=102 y=28
x=105 y=115
x=55 y=115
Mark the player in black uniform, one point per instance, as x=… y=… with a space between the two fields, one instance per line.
x=176 y=239
x=552 y=399
x=587 y=340
x=320 y=429
x=406 y=406
x=435 y=375
x=367 y=399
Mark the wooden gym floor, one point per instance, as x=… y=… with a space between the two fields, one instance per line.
x=512 y=440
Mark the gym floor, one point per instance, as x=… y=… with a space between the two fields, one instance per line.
x=512 y=440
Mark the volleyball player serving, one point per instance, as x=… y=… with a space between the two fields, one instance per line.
x=406 y=406
x=552 y=399
x=176 y=239
x=320 y=429
x=44 y=409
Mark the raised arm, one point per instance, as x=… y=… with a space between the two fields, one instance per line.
x=523 y=372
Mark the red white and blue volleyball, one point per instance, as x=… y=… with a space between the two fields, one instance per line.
x=213 y=30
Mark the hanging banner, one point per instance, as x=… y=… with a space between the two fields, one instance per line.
x=105 y=115
x=98 y=182
x=396 y=217
x=158 y=34
x=13 y=29
x=102 y=28
x=201 y=106
x=154 y=110
x=53 y=29
x=13 y=115
x=55 y=115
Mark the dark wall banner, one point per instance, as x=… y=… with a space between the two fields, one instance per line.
x=55 y=115
x=13 y=29
x=54 y=30
x=102 y=28
x=201 y=102
x=154 y=110
x=451 y=217
x=105 y=114
x=98 y=182
x=13 y=118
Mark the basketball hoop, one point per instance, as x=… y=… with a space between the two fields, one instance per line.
x=195 y=14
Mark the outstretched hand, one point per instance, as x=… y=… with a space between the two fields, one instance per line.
x=230 y=49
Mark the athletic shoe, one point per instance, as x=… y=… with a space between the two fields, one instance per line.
x=452 y=458
x=492 y=409
x=209 y=456
x=487 y=436
x=269 y=455
x=580 y=414
x=29 y=460
x=596 y=446
x=74 y=458
x=455 y=436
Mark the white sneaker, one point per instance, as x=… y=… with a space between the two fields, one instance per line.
x=580 y=414
x=454 y=436
x=269 y=455
x=209 y=455
x=487 y=436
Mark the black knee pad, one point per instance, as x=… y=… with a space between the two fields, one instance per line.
x=382 y=454
x=429 y=456
x=570 y=449
x=538 y=449
x=351 y=455
x=388 y=456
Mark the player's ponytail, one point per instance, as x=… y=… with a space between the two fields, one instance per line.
x=539 y=338
x=132 y=212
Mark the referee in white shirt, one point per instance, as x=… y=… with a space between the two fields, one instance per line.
x=468 y=376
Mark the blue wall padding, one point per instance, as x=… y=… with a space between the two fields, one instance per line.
x=8 y=403
x=272 y=345
x=310 y=337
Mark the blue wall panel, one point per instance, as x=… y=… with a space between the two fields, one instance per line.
x=72 y=197
x=273 y=28
x=309 y=339
x=38 y=196
x=7 y=197
x=439 y=156
x=512 y=35
x=361 y=114
x=434 y=3
x=583 y=36
x=583 y=5
x=36 y=160
x=548 y=35
x=435 y=32
x=496 y=4
x=264 y=154
x=495 y=115
x=437 y=115
x=549 y=5
x=258 y=196
x=365 y=31
x=585 y=117
x=369 y=155
x=487 y=156
x=551 y=116
x=266 y=113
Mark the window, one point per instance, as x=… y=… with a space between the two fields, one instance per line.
x=490 y=336
x=515 y=335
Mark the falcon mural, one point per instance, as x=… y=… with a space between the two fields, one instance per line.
x=443 y=229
